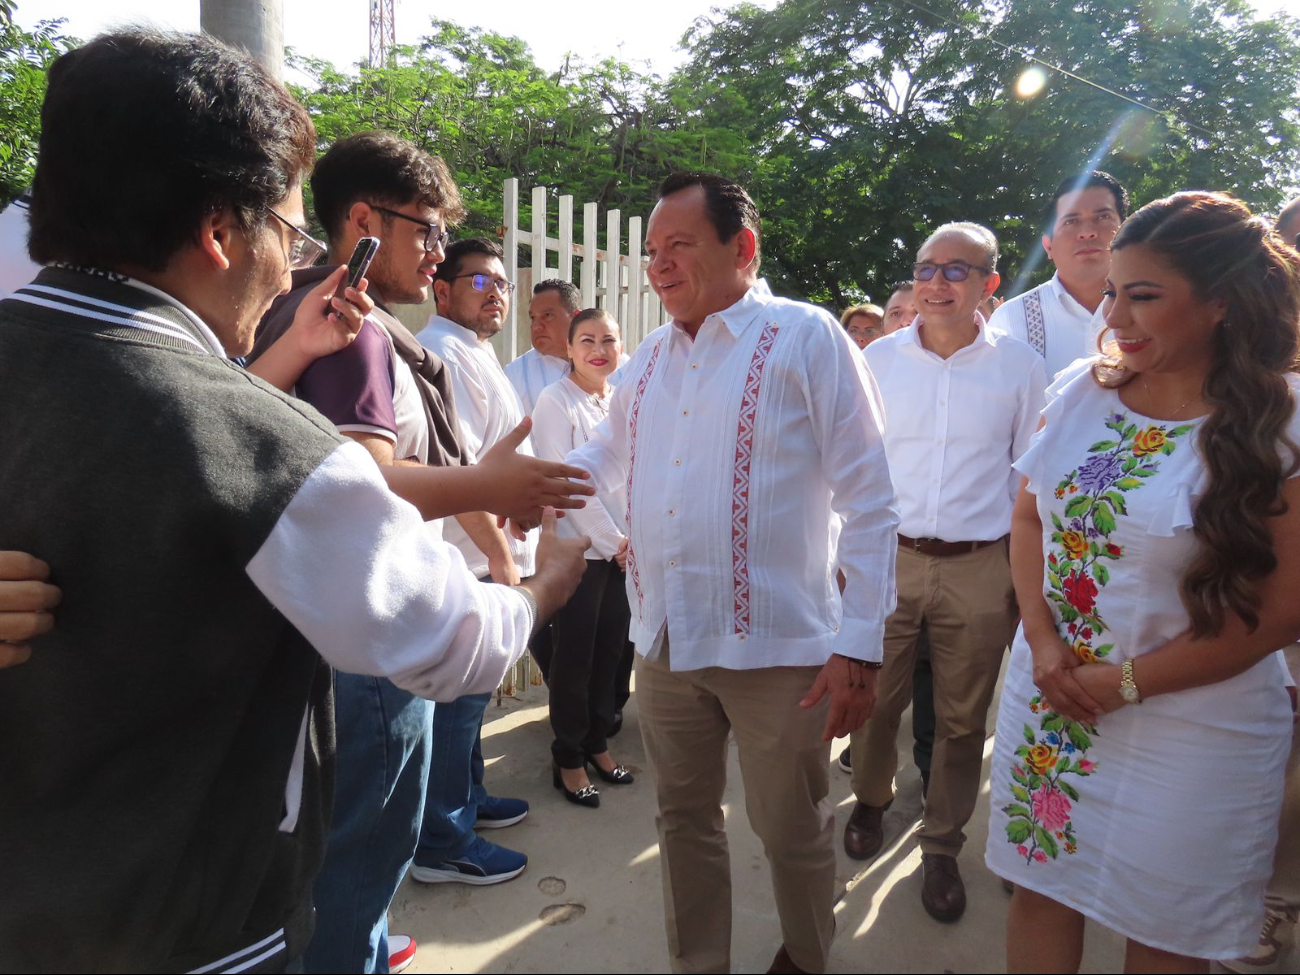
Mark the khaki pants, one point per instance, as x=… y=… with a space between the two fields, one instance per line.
x=685 y=719
x=968 y=605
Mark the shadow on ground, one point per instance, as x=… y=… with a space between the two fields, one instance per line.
x=590 y=898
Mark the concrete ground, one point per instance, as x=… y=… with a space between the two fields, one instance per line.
x=590 y=898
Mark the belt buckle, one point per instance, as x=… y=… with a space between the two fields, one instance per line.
x=916 y=545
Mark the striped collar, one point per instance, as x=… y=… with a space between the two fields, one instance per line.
x=120 y=302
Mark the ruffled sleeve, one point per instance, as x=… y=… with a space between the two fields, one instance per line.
x=1070 y=383
x=1179 y=514
x=1168 y=518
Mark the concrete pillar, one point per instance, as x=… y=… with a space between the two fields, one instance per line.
x=256 y=26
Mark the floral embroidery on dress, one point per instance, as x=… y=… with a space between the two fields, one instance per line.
x=1077 y=571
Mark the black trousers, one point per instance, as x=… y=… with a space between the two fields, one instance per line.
x=590 y=643
x=542 y=647
x=623 y=686
x=923 y=717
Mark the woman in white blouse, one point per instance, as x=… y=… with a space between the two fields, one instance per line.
x=591 y=631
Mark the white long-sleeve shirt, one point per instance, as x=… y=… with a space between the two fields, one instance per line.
x=739 y=449
x=353 y=567
x=955 y=426
x=489 y=409
x=532 y=372
x=564 y=418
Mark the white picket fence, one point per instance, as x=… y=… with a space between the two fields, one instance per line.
x=629 y=299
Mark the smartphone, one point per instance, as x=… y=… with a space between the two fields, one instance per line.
x=358 y=263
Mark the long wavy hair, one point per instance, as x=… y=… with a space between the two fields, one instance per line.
x=1229 y=255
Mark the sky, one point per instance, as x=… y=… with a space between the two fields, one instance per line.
x=592 y=29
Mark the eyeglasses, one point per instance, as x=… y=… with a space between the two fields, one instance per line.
x=952 y=270
x=481 y=282
x=434 y=238
x=304 y=250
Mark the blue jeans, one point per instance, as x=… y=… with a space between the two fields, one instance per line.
x=383 y=763
x=455 y=787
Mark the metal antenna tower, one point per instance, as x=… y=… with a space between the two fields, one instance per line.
x=383 y=32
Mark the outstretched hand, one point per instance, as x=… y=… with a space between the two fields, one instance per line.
x=852 y=689
x=520 y=486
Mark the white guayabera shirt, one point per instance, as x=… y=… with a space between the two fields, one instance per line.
x=1048 y=319
x=739 y=450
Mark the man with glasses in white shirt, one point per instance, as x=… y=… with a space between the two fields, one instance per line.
x=1060 y=318
x=741 y=431
x=473 y=298
x=962 y=403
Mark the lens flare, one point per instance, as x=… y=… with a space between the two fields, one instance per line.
x=1031 y=81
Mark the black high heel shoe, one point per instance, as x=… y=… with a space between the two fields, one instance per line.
x=588 y=795
x=620 y=775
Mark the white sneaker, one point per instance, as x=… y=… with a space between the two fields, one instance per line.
x=401 y=952
x=1274 y=939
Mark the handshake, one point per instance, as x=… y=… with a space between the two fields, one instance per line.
x=524 y=492
x=515 y=487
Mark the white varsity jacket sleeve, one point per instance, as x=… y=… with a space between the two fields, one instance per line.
x=352 y=566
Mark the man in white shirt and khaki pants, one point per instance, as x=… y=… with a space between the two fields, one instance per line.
x=741 y=429
x=962 y=403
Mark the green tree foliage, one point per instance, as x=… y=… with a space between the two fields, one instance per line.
x=601 y=131
x=874 y=122
x=24 y=58
x=858 y=125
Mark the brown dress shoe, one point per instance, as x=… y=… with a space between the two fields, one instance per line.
x=783 y=965
x=942 y=892
x=863 y=835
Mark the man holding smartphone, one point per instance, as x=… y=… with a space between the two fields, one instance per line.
x=393 y=396
x=219 y=546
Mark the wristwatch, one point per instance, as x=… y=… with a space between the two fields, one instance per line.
x=1128 y=690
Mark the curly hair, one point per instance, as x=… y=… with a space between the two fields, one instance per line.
x=1231 y=256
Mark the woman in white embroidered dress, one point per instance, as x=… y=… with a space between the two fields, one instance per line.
x=1144 y=724
x=591 y=631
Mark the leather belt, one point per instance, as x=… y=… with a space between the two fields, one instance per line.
x=937 y=546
